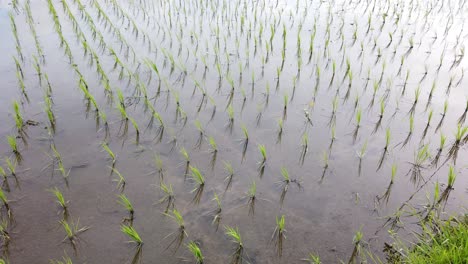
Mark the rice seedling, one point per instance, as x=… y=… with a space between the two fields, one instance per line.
x=382 y=110
x=168 y=198
x=313 y=259
x=65 y=260
x=180 y=234
x=410 y=133
x=279 y=235
x=6 y=204
x=325 y=165
x=214 y=151
x=385 y=150
x=442 y=141
x=386 y=196
x=61 y=201
x=120 y=180
x=357 y=241
x=201 y=133
x=429 y=118
x=14 y=147
x=279 y=133
x=109 y=152
x=230 y=112
x=72 y=230
x=217 y=214
x=285 y=182
x=18 y=118
x=262 y=162
x=422 y=156
x=135 y=238
x=462 y=118
x=417 y=93
x=186 y=157
x=251 y=196
x=459 y=141
x=127 y=205
x=442 y=199
x=132 y=234
x=304 y=148
x=444 y=113
x=196 y=252
x=158 y=163
x=233 y=233
x=199 y=181
x=358 y=124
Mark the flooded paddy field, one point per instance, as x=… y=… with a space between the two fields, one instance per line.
x=228 y=131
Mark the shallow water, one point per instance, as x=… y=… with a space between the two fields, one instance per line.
x=332 y=204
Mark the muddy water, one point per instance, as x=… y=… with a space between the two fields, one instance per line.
x=331 y=204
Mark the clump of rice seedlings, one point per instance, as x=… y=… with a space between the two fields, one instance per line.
x=137 y=130
x=245 y=140
x=18 y=118
x=180 y=234
x=285 y=182
x=358 y=124
x=313 y=259
x=262 y=163
x=120 y=180
x=419 y=164
x=333 y=136
x=168 y=198
x=132 y=234
x=125 y=202
x=6 y=203
x=213 y=151
x=251 y=197
x=199 y=181
x=410 y=133
x=308 y=118
x=385 y=150
x=417 y=93
x=186 y=157
x=235 y=236
x=431 y=93
x=285 y=108
x=57 y=161
x=386 y=196
x=72 y=231
x=279 y=235
x=442 y=140
x=135 y=238
x=444 y=113
x=304 y=148
x=201 y=133
x=196 y=252
x=361 y=153
x=462 y=118
x=158 y=162
x=230 y=174
x=450 y=183
x=160 y=129
x=325 y=161
x=11 y=166
x=65 y=260
x=230 y=112
x=279 y=131
x=14 y=147
x=111 y=154
x=429 y=118
x=382 y=110
x=459 y=141
x=357 y=241
x=217 y=212
x=60 y=200
x=50 y=113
